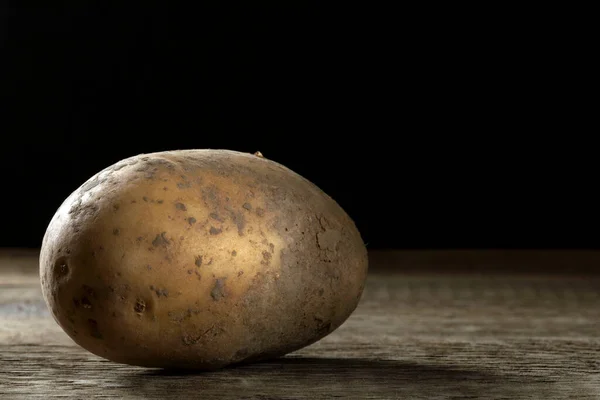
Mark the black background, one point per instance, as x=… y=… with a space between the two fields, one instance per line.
x=433 y=128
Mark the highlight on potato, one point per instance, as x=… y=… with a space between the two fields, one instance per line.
x=200 y=259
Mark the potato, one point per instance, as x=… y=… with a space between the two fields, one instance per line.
x=200 y=259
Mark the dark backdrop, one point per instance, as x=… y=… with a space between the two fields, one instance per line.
x=431 y=127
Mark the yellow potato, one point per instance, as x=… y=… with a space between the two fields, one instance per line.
x=200 y=259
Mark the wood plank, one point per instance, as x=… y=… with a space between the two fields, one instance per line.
x=416 y=334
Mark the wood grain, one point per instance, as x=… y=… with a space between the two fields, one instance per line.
x=418 y=333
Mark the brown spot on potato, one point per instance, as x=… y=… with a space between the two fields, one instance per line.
x=180 y=206
x=218 y=291
x=145 y=198
x=189 y=271
x=260 y=212
x=189 y=340
x=160 y=201
x=162 y=292
x=247 y=206
x=61 y=268
x=116 y=231
x=148 y=267
x=215 y=231
x=198 y=261
x=234 y=253
x=143 y=168
x=209 y=194
x=191 y=220
x=216 y=216
x=140 y=306
x=266 y=258
x=240 y=221
x=160 y=240
x=94 y=331
x=115 y=207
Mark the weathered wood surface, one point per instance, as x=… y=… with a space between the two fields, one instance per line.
x=422 y=333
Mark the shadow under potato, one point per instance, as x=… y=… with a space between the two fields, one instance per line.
x=300 y=377
x=318 y=365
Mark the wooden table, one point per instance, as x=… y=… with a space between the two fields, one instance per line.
x=431 y=325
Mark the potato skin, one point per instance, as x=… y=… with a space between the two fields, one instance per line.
x=200 y=259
